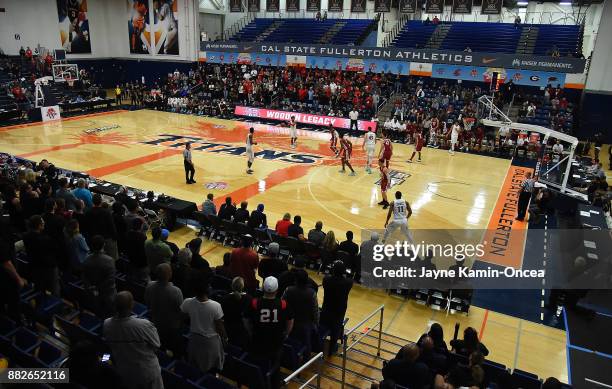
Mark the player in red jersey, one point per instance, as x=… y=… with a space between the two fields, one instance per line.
x=345 y=154
x=418 y=145
x=333 y=141
x=386 y=149
x=384 y=183
x=293 y=132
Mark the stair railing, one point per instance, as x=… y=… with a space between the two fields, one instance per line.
x=346 y=347
x=318 y=359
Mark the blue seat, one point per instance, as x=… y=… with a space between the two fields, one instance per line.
x=7 y=325
x=165 y=361
x=25 y=340
x=293 y=354
x=48 y=354
x=188 y=372
x=253 y=375
x=212 y=382
x=525 y=380
x=139 y=309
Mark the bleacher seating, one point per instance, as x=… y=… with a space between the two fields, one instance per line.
x=492 y=37
x=565 y=38
x=251 y=31
x=414 y=34
x=292 y=30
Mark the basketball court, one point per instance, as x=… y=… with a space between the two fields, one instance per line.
x=142 y=149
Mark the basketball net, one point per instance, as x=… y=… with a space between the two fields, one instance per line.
x=70 y=82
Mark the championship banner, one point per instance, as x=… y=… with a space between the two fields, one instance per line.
x=382 y=5
x=253 y=6
x=235 y=6
x=74 y=26
x=335 y=5
x=462 y=7
x=407 y=6
x=305 y=118
x=273 y=5
x=293 y=5
x=50 y=113
x=165 y=26
x=490 y=60
x=313 y=5
x=358 y=5
x=491 y=7
x=140 y=37
x=434 y=6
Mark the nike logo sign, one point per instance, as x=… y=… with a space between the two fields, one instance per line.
x=488 y=60
x=247 y=47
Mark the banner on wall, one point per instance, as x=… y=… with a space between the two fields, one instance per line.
x=305 y=118
x=165 y=26
x=358 y=5
x=140 y=37
x=407 y=6
x=313 y=5
x=382 y=5
x=434 y=6
x=292 y=5
x=508 y=61
x=462 y=6
x=273 y=5
x=485 y=74
x=74 y=26
x=253 y=6
x=491 y=7
x=50 y=113
x=335 y=5
x=235 y=6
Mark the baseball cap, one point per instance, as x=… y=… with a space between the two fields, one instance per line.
x=270 y=284
x=165 y=233
x=273 y=248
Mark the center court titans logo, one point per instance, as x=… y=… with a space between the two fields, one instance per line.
x=200 y=144
x=397 y=178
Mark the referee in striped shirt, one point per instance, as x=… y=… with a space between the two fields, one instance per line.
x=525 y=196
x=188 y=163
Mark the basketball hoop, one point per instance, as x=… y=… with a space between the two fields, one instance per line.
x=70 y=82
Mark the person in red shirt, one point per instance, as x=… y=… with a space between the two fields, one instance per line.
x=418 y=145
x=282 y=226
x=302 y=93
x=244 y=262
x=28 y=53
x=345 y=154
x=386 y=149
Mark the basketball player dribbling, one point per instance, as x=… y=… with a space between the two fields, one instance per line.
x=293 y=132
x=345 y=154
x=386 y=149
x=418 y=145
x=369 y=144
x=454 y=137
x=333 y=141
x=401 y=211
x=384 y=183
x=250 y=142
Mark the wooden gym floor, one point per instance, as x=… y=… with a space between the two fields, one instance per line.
x=143 y=149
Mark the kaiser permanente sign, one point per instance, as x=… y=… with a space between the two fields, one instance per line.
x=497 y=60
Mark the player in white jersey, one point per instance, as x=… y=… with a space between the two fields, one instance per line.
x=293 y=132
x=369 y=145
x=454 y=138
x=250 y=142
x=401 y=212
